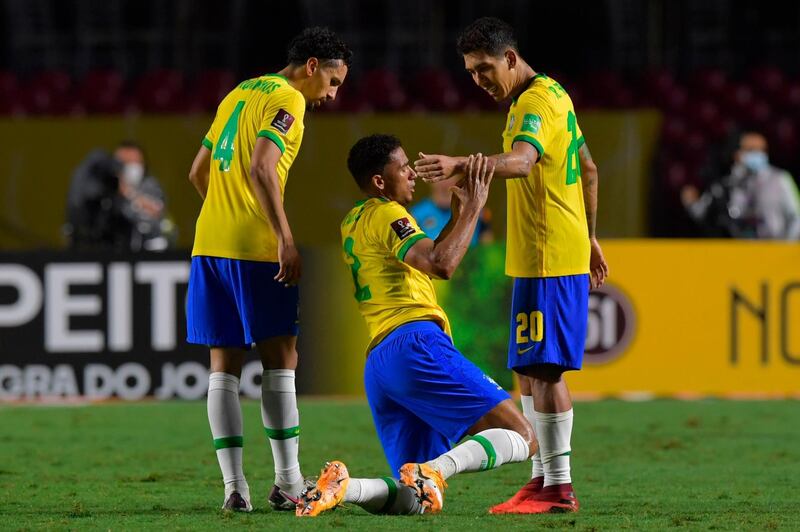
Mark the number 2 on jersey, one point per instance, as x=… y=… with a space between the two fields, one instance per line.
x=224 y=149
x=573 y=161
x=362 y=293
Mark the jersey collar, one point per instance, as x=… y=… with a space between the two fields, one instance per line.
x=528 y=85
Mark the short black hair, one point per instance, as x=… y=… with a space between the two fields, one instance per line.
x=369 y=155
x=487 y=34
x=318 y=42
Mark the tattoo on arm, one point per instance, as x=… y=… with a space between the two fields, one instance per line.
x=589 y=183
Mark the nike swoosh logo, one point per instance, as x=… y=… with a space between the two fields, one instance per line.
x=523 y=351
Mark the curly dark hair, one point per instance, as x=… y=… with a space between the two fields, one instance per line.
x=318 y=42
x=487 y=34
x=369 y=155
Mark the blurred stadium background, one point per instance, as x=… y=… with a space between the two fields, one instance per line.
x=661 y=88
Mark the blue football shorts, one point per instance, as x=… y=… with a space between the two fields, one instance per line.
x=235 y=303
x=424 y=395
x=548 y=321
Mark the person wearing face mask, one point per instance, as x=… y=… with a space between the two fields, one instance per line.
x=756 y=200
x=143 y=201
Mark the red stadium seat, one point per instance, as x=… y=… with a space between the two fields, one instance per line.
x=161 y=91
x=9 y=95
x=434 y=90
x=210 y=88
x=767 y=80
x=101 y=91
x=382 y=91
x=50 y=93
x=709 y=82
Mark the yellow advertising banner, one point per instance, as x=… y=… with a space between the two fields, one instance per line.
x=676 y=318
x=695 y=317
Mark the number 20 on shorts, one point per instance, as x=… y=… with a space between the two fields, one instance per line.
x=530 y=327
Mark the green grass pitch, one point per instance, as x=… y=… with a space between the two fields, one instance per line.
x=706 y=465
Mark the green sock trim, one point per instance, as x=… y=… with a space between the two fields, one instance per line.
x=491 y=455
x=282 y=434
x=568 y=453
x=392 y=494
x=229 y=441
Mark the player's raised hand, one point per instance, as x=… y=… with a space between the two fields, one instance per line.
x=598 y=267
x=434 y=168
x=290 y=265
x=473 y=191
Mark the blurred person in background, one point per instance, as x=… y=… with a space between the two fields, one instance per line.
x=756 y=200
x=433 y=213
x=113 y=204
x=144 y=205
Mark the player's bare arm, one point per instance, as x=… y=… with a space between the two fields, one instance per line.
x=198 y=174
x=598 y=268
x=455 y=213
x=266 y=185
x=440 y=258
x=511 y=165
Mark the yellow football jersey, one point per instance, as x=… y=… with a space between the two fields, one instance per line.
x=231 y=223
x=376 y=234
x=547 y=231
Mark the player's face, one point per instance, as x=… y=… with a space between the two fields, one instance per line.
x=399 y=178
x=324 y=82
x=492 y=74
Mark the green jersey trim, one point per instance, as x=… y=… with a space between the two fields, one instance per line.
x=581 y=141
x=528 y=85
x=401 y=253
x=274 y=138
x=278 y=76
x=208 y=144
x=530 y=140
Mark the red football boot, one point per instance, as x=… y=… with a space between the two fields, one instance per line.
x=528 y=491
x=559 y=498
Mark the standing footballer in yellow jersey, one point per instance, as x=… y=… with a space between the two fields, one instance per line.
x=552 y=252
x=245 y=266
x=423 y=393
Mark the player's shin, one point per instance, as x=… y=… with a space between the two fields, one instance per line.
x=528 y=411
x=486 y=450
x=225 y=419
x=383 y=496
x=282 y=426
x=554 y=432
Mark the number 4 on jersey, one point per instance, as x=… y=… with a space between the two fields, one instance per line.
x=225 y=146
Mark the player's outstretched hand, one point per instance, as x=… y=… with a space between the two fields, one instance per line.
x=290 y=265
x=598 y=267
x=434 y=168
x=473 y=191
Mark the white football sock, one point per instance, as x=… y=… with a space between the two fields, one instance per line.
x=282 y=425
x=225 y=419
x=530 y=414
x=382 y=496
x=554 y=432
x=486 y=450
